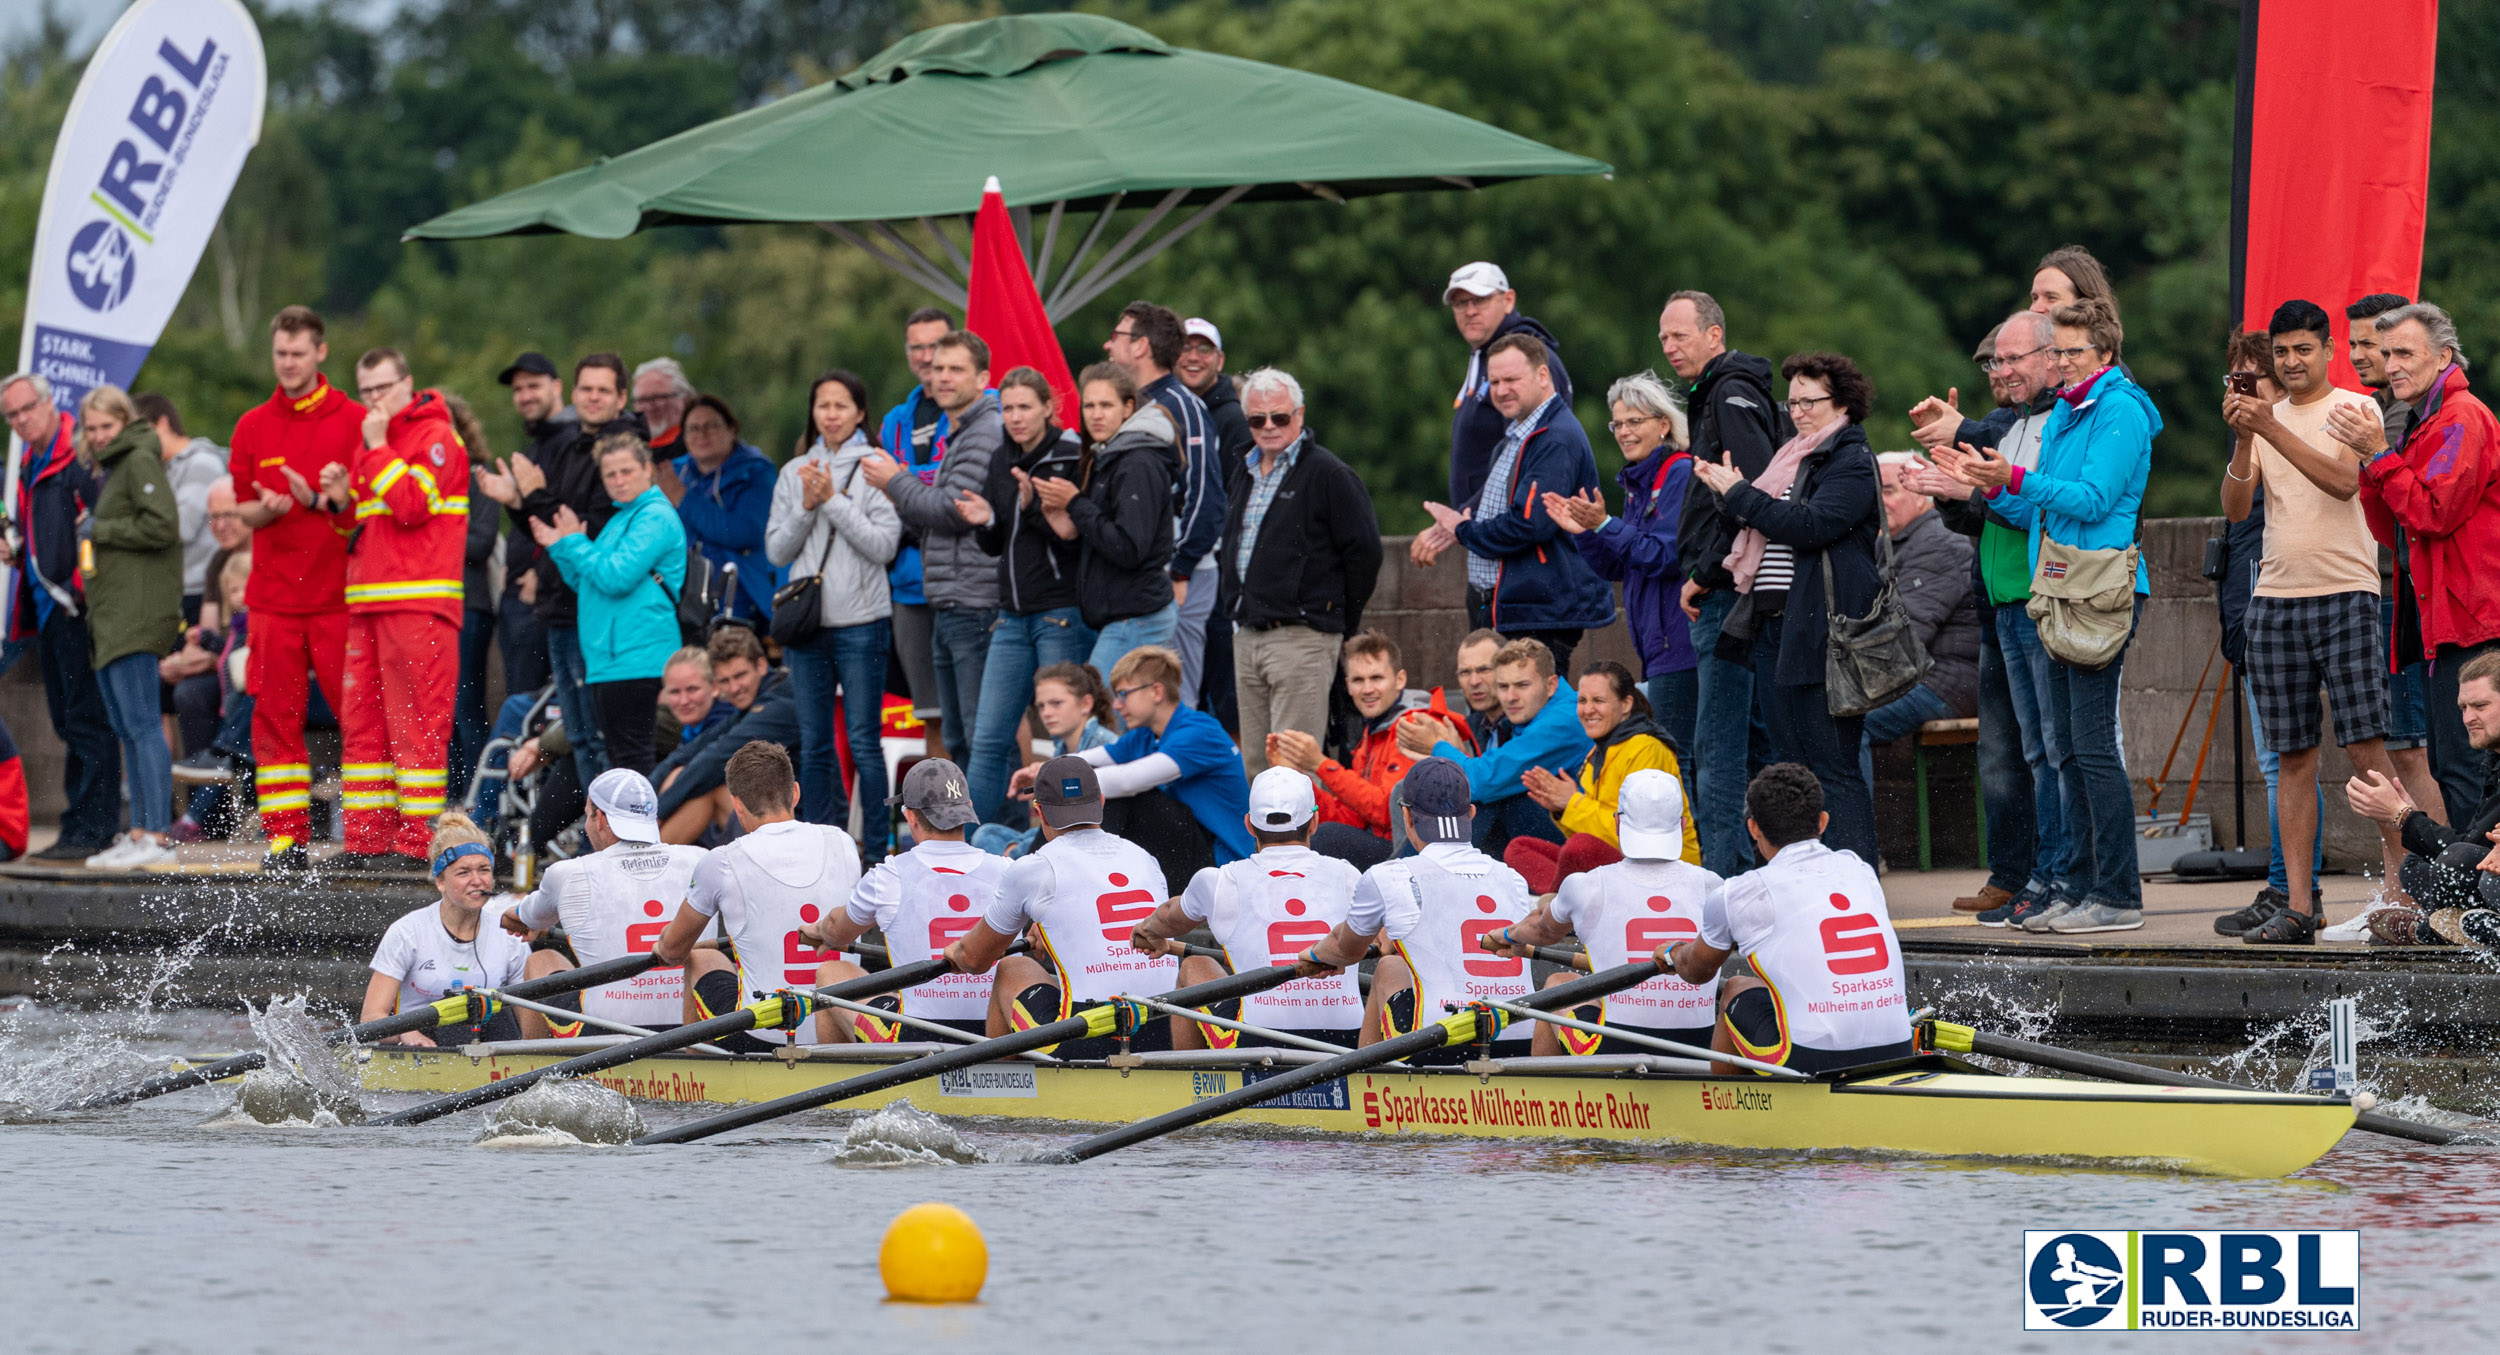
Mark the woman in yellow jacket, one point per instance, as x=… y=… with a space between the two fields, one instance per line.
x=1616 y=716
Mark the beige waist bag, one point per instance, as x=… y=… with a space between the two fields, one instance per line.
x=2084 y=602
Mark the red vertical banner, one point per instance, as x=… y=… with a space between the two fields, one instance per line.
x=2338 y=138
x=1005 y=309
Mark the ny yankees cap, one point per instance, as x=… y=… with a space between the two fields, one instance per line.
x=1065 y=790
x=934 y=789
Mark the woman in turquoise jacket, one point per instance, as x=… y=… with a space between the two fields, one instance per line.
x=628 y=578
x=2087 y=491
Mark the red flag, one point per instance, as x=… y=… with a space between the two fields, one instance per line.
x=1005 y=309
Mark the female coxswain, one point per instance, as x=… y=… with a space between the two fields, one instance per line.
x=447 y=945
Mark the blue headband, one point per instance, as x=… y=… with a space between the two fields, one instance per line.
x=456 y=851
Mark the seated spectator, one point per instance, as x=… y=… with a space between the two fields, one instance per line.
x=1486 y=725
x=1172 y=784
x=694 y=799
x=1544 y=732
x=1075 y=709
x=1623 y=740
x=1354 y=800
x=225 y=704
x=1931 y=574
x=727 y=498
x=2452 y=872
x=690 y=707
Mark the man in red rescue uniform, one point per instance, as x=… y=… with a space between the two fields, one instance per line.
x=411 y=489
x=297 y=593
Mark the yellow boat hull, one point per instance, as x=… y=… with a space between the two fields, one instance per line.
x=1922 y=1112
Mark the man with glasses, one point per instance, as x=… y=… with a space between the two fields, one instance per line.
x=1300 y=556
x=55 y=487
x=914 y=432
x=2026 y=814
x=306 y=432
x=410 y=487
x=1146 y=340
x=661 y=391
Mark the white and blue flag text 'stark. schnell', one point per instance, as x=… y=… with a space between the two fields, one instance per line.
x=169 y=107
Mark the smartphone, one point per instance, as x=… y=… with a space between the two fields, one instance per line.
x=2241 y=383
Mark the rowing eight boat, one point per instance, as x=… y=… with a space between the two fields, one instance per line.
x=1930 y=1106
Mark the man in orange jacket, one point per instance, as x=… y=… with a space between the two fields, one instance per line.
x=306 y=429
x=1354 y=800
x=411 y=488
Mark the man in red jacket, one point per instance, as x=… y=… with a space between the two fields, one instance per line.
x=411 y=488
x=1354 y=799
x=2440 y=495
x=299 y=567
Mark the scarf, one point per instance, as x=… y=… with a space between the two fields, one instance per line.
x=1744 y=559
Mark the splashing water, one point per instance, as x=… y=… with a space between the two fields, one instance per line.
x=305 y=1081
x=561 y=1112
x=901 y=1135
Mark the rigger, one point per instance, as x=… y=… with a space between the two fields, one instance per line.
x=411 y=486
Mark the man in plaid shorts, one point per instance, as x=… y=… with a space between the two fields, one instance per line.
x=2314 y=620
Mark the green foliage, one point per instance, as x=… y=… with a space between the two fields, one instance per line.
x=1871 y=176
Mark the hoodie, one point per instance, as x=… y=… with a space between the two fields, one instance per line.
x=1123 y=520
x=1552 y=739
x=1476 y=427
x=193 y=471
x=1036 y=570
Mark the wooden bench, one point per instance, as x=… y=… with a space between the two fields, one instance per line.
x=1946 y=734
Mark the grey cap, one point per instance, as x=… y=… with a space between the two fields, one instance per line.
x=1067 y=793
x=934 y=789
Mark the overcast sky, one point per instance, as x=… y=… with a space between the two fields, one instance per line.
x=89 y=18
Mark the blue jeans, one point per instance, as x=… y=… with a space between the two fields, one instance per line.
x=2083 y=718
x=2027 y=668
x=131 y=701
x=2005 y=788
x=1118 y=638
x=1805 y=731
x=1729 y=742
x=1674 y=699
x=1021 y=644
x=853 y=659
x=997 y=838
x=1897 y=719
x=2408 y=721
x=581 y=714
x=959 y=648
x=2278 y=876
x=1512 y=816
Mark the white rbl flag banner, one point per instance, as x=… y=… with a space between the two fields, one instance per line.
x=168 y=109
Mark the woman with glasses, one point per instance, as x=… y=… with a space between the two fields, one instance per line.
x=1815 y=504
x=725 y=501
x=1638 y=548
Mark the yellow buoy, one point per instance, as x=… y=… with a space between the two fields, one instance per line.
x=933 y=1253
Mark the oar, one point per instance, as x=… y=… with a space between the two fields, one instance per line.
x=1457 y=1028
x=780 y=1011
x=1095 y=1020
x=1964 y=1040
x=458 y=1009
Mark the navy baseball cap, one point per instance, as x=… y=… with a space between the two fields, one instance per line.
x=1436 y=797
x=1065 y=790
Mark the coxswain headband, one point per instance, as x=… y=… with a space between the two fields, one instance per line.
x=456 y=851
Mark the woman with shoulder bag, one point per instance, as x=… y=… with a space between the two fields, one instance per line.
x=1809 y=528
x=836 y=534
x=2081 y=504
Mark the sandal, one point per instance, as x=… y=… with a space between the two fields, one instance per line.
x=2290 y=927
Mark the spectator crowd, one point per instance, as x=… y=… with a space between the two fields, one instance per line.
x=1170 y=582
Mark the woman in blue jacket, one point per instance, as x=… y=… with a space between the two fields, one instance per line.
x=728 y=498
x=628 y=578
x=2087 y=490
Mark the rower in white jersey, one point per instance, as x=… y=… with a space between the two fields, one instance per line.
x=1622 y=913
x=766 y=888
x=1078 y=894
x=1433 y=909
x=922 y=900
x=1826 y=989
x=447 y=945
x=1264 y=909
x=615 y=901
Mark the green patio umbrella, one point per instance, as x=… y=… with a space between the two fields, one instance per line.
x=1070 y=111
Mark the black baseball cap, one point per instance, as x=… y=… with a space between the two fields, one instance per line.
x=531 y=361
x=1067 y=793
x=1435 y=791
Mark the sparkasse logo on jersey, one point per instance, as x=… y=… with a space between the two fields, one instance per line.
x=2186 y=1280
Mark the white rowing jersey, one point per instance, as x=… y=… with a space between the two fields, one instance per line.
x=1435 y=907
x=616 y=901
x=1081 y=893
x=429 y=961
x=924 y=901
x=1266 y=910
x=1623 y=913
x=1812 y=923
x=767 y=888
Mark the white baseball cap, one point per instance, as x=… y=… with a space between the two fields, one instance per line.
x=632 y=807
x=1476 y=279
x=1204 y=329
x=1649 y=815
x=1281 y=799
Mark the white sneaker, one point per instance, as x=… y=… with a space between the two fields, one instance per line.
x=149 y=854
x=110 y=857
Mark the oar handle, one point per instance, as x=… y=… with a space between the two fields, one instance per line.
x=988 y=1051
